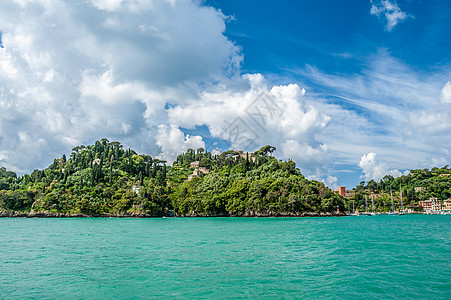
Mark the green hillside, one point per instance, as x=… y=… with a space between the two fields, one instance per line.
x=105 y=179
x=418 y=185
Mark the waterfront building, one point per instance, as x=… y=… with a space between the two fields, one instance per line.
x=446 y=207
x=431 y=205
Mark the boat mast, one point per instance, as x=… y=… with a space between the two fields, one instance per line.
x=366 y=204
x=400 y=192
x=392 y=205
x=372 y=204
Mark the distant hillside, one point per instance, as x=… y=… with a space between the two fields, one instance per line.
x=106 y=180
x=418 y=185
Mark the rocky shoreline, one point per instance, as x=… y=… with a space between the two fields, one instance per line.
x=251 y=214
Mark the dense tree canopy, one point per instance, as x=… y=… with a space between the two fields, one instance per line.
x=106 y=179
x=416 y=186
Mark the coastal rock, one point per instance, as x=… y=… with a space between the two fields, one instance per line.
x=137 y=214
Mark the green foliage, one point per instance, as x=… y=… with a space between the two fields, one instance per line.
x=429 y=183
x=6 y=174
x=104 y=179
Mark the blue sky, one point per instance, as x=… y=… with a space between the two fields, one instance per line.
x=342 y=39
x=335 y=36
x=351 y=90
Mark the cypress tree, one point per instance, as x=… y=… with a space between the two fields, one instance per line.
x=92 y=176
x=111 y=168
x=129 y=161
x=154 y=170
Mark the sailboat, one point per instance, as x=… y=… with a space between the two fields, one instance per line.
x=354 y=213
x=372 y=206
x=366 y=206
x=401 y=209
x=392 y=212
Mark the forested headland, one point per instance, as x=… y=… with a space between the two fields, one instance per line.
x=105 y=179
x=417 y=185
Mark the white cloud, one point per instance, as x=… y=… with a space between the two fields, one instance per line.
x=73 y=72
x=110 y=5
x=331 y=182
x=445 y=95
x=138 y=71
x=262 y=115
x=172 y=141
x=388 y=10
x=376 y=170
x=311 y=160
x=388 y=109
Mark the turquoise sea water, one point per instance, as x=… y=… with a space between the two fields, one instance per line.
x=346 y=258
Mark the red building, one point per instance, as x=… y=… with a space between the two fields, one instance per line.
x=342 y=191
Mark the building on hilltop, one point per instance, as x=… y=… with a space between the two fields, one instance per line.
x=349 y=193
x=242 y=154
x=204 y=170
x=136 y=189
x=195 y=164
x=198 y=172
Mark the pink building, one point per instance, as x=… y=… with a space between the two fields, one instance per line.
x=431 y=205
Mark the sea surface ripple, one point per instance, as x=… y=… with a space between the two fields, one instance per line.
x=378 y=257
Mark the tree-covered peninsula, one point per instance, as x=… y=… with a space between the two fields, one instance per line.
x=105 y=179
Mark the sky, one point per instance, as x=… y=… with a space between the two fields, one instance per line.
x=350 y=90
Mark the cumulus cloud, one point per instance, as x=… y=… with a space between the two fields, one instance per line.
x=73 y=72
x=373 y=169
x=331 y=181
x=172 y=140
x=143 y=71
x=389 y=11
x=445 y=95
x=255 y=114
x=139 y=72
